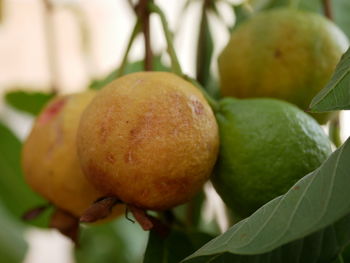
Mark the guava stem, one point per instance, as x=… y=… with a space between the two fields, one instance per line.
x=327 y=8
x=144 y=14
x=211 y=101
x=334 y=131
x=175 y=65
x=135 y=32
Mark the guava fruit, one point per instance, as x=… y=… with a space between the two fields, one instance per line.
x=282 y=53
x=150 y=139
x=49 y=155
x=267 y=145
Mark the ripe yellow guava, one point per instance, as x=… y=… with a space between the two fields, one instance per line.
x=281 y=53
x=49 y=156
x=149 y=138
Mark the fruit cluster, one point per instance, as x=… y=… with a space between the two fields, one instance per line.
x=151 y=140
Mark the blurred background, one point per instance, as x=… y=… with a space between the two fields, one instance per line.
x=69 y=43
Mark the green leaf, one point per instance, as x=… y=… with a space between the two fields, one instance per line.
x=15 y=193
x=175 y=247
x=114 y=242
x=29 y=102
x=205 y=49
x=336 y=95
x=130 y=68
x=310 y=223
x=13 y=247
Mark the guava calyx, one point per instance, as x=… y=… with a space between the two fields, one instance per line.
x=35 y=212
x=66 y=223
x=100 y=209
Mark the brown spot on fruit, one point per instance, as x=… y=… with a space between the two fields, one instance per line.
x=277 y=53
x=52 y=110
x=110 y=158
x=197 y=107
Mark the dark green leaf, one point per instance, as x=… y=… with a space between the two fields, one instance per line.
x=15 y=193
x=130 y=68
x=29 y=102
x=175 y=247
x=114 y=242
x=336 y=95
x=205 y=48
x=12 y=244
x=310 y=223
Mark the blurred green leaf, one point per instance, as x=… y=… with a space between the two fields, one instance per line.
x=130 y=68
x=336 y=95
x=13 y=247
x=114 y=242
x=175 y=247
x=310 y=223
x=29 y=102
x=100 y=244
x=15 y=193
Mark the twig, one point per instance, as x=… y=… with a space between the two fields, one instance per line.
x=334 y=131
x=175 y=65
x=327 y=9
x=143 y=14
x=133 y=35
x=50 y=45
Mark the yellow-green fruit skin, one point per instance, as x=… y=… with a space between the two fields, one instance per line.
x=149 y=138
x=267 y=145
x=282 y=53
x=49 y=155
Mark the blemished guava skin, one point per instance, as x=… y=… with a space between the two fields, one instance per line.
x=282 y=53
x=49 y=156
x=150 y=139
x=267 y=145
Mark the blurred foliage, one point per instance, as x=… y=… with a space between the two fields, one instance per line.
x=114 y=242
x=174 y=247
x=15 y=193
x=12 y=244
x=26 y=101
